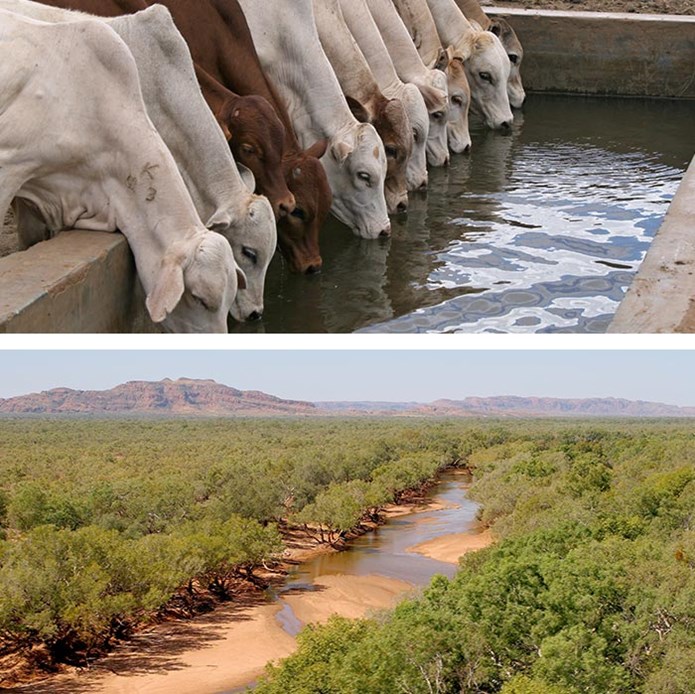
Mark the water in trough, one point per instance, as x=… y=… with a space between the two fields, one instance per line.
x=541 y=230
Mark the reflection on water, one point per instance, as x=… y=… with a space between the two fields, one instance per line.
x=538 y=231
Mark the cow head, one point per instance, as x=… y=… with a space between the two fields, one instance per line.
x=436 y=94
x=389 y=118
x=416 y=172
x=515 y=52
x=487 y=69
x=298 y=233
x=195 y=286
x=253 y=237
x=257 y=140
x=355 y=163
x=459 y=100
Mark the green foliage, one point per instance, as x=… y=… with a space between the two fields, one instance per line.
x=590 y=587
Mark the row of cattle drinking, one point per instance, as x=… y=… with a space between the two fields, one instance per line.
x=208 y=131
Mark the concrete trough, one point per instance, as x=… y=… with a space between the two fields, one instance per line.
x=85 y=282
x=611 y=54
x=661 y=298
x=78 y=282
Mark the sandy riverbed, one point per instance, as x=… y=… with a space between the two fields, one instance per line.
x=348 y=596
x=449 y=548
x=202 y=656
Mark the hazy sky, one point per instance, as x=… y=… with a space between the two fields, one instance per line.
x=663 y=376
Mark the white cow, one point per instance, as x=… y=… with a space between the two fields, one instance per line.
x=419 y=21
x=515 y=52
x=285 y=36
x=486 y=62
x=365 y=31
x=410 y=68
x=176 y=106
x=366 y=100
x=78 y=150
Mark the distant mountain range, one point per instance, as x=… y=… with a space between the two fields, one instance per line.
x=205 y=398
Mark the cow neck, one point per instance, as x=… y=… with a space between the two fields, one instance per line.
x=365 y=31
x=453 y=28
x=420 y=23
x=178 y=110
x=406 y=59
x=472 y=11
x=349 y=64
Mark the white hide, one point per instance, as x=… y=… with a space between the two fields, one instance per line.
x=178 y=110
x=486 y=62
x=410 y=68
x=79 y=151
x=420 y=24
x=284 y=34
x=365 y=31
x=473 y=13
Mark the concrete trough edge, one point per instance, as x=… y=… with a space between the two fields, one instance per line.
x=605 y=53
x=661 y=298
x=79 y=281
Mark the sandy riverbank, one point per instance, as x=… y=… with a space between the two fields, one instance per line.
x=450 y=548
x=203 y=656
x=348 y=596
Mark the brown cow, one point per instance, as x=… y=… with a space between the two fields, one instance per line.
x=229 y=55
x=256 y=134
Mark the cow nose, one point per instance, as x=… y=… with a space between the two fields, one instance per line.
x=467 y=149
x=423 y=186
x=287 y=206
x=385 y=233
x=447 y=161
x=402 y=207
x=313 y=270
x=506 y=125
x=254 y=316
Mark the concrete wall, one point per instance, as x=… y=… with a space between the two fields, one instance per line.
x=605 y=53
x=661 y=298
x=80 y=281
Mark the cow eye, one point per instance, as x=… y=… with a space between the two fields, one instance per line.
x=457 y=100
x=248 y=149
x=486 y=77
x=299 y=213
x=438 y=115
x=391 y=151
x=202 y=302
x=513 y=58
x=416 y=135
x=250 y=254
x=364 y=176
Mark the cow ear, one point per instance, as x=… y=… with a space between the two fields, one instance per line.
x=340 y=151
x=241 y=278
x=359 y=111
x=318 y=149
x=442 y=60
x=495 y=28
x=247 y=177
x=167 y=292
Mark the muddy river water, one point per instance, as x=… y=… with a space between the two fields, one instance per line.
x=541 y=230
x=383 y=560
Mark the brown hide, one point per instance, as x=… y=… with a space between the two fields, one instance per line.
x=390 y=119
x=272 y=152
x=235 y=63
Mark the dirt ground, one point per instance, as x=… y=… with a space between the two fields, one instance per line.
x=639 y=6
x=8 y=235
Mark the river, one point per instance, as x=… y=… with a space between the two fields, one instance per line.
x=227 y=650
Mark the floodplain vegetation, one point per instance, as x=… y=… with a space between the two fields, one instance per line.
x=590 y=586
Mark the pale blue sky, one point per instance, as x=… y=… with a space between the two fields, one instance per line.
x=662 y=376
